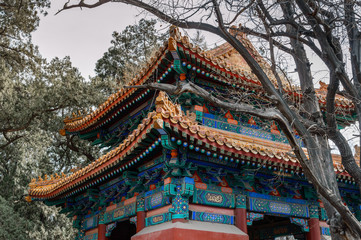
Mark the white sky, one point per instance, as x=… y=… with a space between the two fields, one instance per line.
x=84 y=35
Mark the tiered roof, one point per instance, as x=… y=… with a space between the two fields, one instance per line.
x=170 y=116
x=222 y=64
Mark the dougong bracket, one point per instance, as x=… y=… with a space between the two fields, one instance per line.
x=301 y=222
x=178 y=165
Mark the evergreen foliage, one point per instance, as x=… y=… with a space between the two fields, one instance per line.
x=129 y=49
x=35 y=97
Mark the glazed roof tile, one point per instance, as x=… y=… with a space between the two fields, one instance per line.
x=223 y=58
x=167 y=112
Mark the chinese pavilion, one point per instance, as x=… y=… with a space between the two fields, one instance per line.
x=184 y=169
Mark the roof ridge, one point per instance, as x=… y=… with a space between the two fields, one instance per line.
x=163 y=105
x=75 y=120
x=171 y=112
x=176 y=37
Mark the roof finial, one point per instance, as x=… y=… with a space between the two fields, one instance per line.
x=323 y=86
x=173 y=31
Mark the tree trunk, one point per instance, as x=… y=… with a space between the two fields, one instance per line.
x=320 y=158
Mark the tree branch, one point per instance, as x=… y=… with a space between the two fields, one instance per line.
x=9 y=140
x=82 y=4
x=239 y=13
x=73 y=147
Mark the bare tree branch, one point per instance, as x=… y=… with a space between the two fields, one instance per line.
x=82 y=4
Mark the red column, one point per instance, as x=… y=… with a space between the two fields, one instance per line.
x=101 y=232
x=140 y=220
x=241 y=219
x=315 y=231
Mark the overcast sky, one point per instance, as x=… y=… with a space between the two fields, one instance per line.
x=84 y=35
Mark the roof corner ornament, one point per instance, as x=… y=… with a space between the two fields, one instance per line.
x=163 y=103
x=62 y=132
x=174 y=31
x=173 y=48
x=323 y=86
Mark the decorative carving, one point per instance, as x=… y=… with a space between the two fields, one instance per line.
x=62 y=132
x=93 y=236
x=251 y=217
x=178 y=165
x=133 y=220
x=155 y=200
x=163 y=103
x=172 y=44
x=157 y=219
x=90 y=223
x=214 y=198
x=219 y=199
x=278 y=207
x=140 y=203
x=285 y=208
x=314 y=211
x=122 y=211
x=118 y=213
x=212 y=217
x=109 y=228
x=301 y=222
x=323 y=86
x=180 y=190
x=241 y=201
x=28 y=199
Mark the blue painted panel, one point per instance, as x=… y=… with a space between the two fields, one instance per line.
x=212 y=217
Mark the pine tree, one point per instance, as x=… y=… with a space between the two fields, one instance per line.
x=129 y=49
x=35 y=97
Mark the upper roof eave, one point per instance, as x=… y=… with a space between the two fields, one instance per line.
x=212 y=57
x=171 y=114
